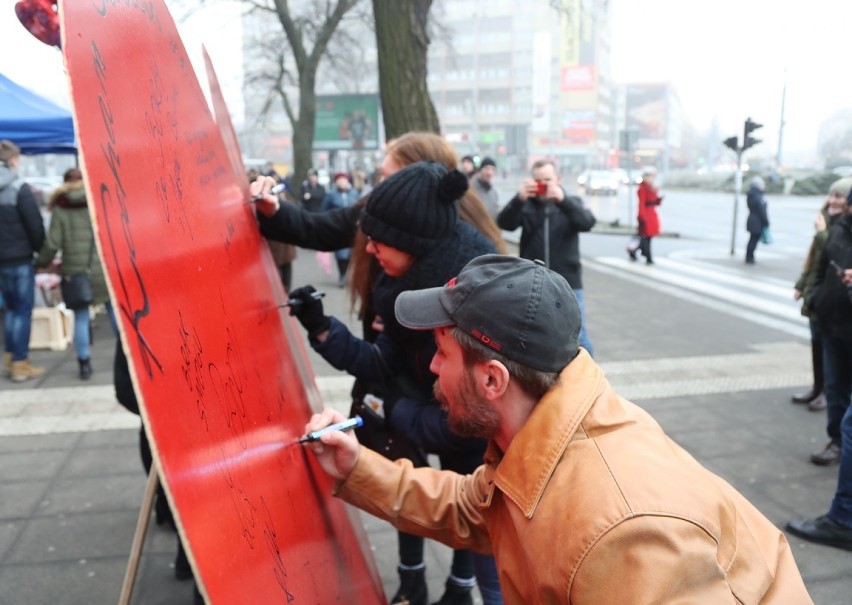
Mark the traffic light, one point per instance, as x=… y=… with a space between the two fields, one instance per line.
x=731 y=143
x=748 y=140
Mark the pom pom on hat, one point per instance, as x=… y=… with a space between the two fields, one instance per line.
x=415 y=208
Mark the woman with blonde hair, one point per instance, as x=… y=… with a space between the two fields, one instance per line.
x=339 y=228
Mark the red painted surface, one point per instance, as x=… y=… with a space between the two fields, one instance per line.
x=223 y=380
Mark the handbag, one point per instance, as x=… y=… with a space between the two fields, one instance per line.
x=77 y=288
x=766 y=235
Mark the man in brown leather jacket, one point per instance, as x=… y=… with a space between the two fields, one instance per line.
x=582 y=497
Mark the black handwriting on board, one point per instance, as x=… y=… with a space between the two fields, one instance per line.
x=192 y=366
x=270 y=536
x=146 y=7
x=161 y=126
x=113 y=197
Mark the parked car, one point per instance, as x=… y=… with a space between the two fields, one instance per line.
x=602 y=182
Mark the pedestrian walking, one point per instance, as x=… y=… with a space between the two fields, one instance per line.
x=757 y=223
x=21 y=237
x=71 y=233
x=647 y=219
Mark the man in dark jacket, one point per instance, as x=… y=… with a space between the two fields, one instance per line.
x=312 y=192
x=551 y=222
x=832 y=303
x=21 y=236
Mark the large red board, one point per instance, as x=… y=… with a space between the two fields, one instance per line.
x=223 y=381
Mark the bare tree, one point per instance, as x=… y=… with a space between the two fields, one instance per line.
x=402 y=41
x=295 y=64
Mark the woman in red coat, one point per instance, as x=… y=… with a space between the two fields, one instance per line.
x=649 y=222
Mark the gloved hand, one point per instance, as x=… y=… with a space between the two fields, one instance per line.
x=308 y=310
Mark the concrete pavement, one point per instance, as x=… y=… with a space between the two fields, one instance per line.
x=718 y=383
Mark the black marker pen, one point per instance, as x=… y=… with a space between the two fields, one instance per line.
x=295 y=302
x=346 y=425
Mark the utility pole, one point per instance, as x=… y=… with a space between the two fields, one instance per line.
x=781 y=126
x=733 y=144
x=628 y=140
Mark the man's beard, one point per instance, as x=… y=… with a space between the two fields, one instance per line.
x=469 y=415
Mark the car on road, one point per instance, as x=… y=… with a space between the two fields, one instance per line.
x=601 y=182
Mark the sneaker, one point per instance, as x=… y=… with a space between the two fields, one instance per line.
x=818 y=404
x=7 y=364
x=412 y=588
x=827 y=457
x=23 y=370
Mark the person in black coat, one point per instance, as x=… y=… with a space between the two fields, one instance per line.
x=758 y=219
x=339 y=228
x=832 y=303
x=412 y=221
x=21 y=237
x=551 y=223
x=312 y=192
x=126 y=396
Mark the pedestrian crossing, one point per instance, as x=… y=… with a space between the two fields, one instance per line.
x=759 y=299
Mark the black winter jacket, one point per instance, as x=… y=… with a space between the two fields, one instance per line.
x=831 y=300
x=758 y=218
x=325 y=231
x=21 y=225
x=409 y=352
x=566 y=220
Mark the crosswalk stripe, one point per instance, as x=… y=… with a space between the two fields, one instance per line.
x=672 y=277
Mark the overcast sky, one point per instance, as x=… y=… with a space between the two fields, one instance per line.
x=726 y=58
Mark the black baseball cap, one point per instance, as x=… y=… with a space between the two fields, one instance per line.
x=517 y=307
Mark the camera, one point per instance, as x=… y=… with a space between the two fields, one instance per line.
x=541 y=188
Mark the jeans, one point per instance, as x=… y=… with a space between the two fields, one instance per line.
x=82 y=331
x=487 y=579
x=837 y=362
x=841 y=506
x=584 y=335
x=18 y=285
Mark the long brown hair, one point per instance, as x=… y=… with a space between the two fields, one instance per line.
x=407 y=149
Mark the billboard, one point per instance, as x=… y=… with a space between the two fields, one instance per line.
x=348 y=122
x=647 y=112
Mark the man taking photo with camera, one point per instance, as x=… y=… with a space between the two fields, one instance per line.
x=551 y=222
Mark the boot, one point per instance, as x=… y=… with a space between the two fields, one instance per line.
x=183 y=571
x=816 y=359
x=7 y=364
x=412 y=587
x=85 y=368
x=23 y=370
x=456 y=594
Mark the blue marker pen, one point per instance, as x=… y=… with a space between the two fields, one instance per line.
x=346 y=425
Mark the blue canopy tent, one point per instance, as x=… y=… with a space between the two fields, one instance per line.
x=34 y=124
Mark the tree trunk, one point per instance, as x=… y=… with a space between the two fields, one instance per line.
x=403 y=43
x=303 y=133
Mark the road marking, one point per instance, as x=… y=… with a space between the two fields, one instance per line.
x=783 y=316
